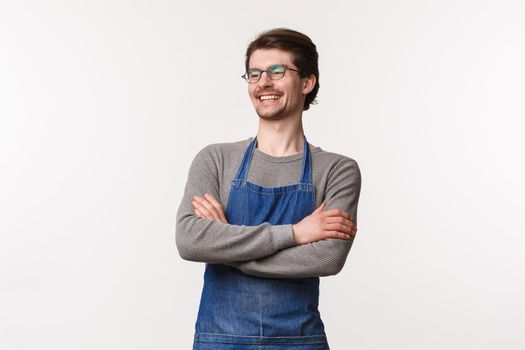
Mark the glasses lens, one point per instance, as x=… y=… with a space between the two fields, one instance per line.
x=253 y=75
x=276 y=72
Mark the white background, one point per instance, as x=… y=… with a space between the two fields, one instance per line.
x=104 y=104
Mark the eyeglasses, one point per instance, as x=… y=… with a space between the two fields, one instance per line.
x=274 y=72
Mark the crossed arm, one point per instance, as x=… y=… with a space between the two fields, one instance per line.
x=319 y=225
x=272 y=251
x=317 y=234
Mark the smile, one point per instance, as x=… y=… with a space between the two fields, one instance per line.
x=268 y=97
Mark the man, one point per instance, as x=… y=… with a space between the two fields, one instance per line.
x=269 y=214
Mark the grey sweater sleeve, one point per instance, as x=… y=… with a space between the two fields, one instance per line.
x=203 y=240
x=322 y=258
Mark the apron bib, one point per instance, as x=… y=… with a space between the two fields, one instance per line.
x=239 y=311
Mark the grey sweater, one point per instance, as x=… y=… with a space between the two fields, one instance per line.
x=265 y=250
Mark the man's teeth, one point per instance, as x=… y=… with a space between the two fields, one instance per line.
x=269 y=97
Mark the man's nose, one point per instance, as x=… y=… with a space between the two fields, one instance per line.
x=264 y=80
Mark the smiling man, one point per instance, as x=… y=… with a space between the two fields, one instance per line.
x=270 y=214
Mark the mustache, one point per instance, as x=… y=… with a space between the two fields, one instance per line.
x=267 y=92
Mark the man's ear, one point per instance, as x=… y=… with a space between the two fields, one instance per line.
x=309 y=83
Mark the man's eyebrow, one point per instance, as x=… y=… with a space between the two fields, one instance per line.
x=272 y=65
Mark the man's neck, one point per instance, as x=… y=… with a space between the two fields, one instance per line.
x=280 y=138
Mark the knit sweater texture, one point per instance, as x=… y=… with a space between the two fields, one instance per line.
x=265 y=250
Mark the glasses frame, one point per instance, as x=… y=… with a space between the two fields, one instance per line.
x=267 y=70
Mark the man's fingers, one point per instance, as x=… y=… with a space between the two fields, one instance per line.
x=202 y=210
x=218 y=206
x=208 y=215
x=340 y=224
x=209 y=207
x=341 y=228
x=212 y=200
x=205 y=210
x=336 y=234
x=340 y=220
x=206 y=206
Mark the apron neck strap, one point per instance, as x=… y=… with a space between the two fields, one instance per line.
x=306 y=168
x=306 y=172
x=242 y=173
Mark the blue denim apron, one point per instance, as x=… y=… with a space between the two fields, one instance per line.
x=239 y=311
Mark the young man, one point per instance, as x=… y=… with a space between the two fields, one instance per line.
x=269 y=214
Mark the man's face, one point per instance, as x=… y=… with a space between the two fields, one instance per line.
x=277 y=99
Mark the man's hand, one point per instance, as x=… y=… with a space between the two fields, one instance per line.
x=334 y=223
x=209 y=208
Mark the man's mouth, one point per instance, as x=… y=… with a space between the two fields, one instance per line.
x=268 y=97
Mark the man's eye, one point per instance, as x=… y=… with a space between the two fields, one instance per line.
x=254 y=73
x=277 y=70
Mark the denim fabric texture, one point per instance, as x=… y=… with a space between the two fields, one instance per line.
x=239 y=311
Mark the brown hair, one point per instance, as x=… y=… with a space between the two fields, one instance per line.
x=303 y=50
